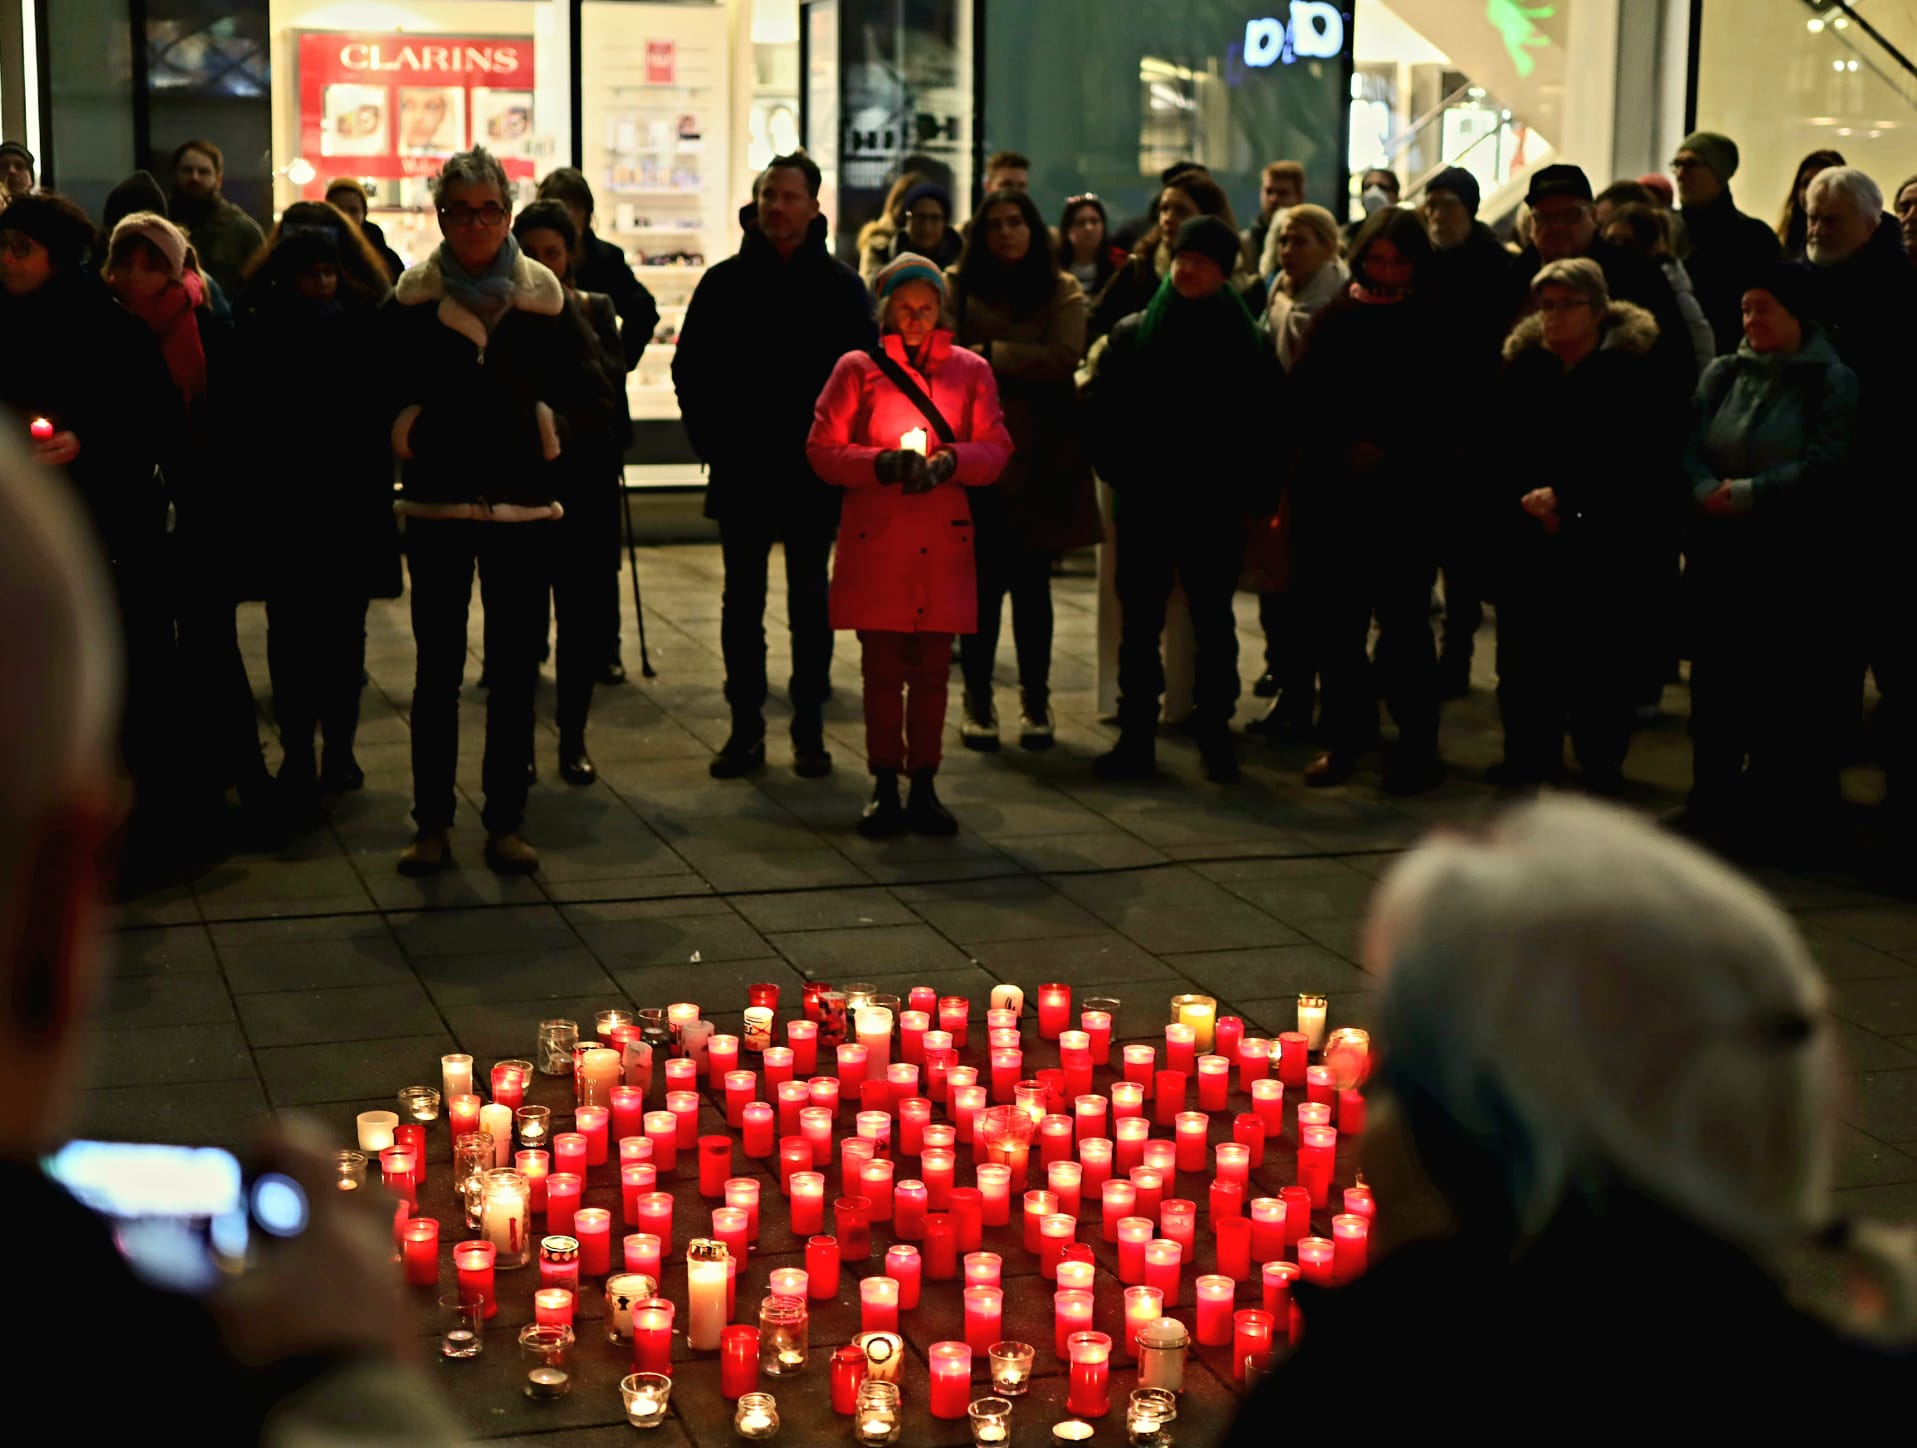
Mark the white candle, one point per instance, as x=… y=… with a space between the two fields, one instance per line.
x=913 y=441
x=505 y=1219
x=1311 y=1020
x=706 y=1272
x=497 y=1121
x=456 y=1076
x=376 y=1129
x=874 y=1025
x=1008 y=998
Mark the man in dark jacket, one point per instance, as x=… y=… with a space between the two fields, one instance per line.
x=1727 y=247
x=1477 y=281
x=222 y=234
x=762 y=334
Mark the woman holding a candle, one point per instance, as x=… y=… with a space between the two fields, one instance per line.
x=1658 y=1107
x=905 y=429
x=1008 y=301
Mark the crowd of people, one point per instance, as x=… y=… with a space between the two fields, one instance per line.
x=1646 y=427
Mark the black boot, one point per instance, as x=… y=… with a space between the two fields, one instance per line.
x=924 y=815
x=1135 y=757
x=1215 y=748
x=744 y=749
x=575 y=765
x=884 y=817
x=613 y=671
x=810 y=758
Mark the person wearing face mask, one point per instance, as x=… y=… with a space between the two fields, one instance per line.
x=1378 y=189
x=1190 y=193
x=321 y=520
x=1190 y=366
x=1366 y=517
x=906 y=430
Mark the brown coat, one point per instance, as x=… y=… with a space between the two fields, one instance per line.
x=1047 y=488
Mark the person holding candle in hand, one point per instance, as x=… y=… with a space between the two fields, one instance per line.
x=1611 y=1067
x=904 y=575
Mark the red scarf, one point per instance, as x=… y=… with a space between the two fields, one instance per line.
x=169 y=313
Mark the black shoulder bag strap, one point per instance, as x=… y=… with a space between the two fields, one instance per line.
x=902 y=380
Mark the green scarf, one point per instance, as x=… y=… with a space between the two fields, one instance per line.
x=1220 y=319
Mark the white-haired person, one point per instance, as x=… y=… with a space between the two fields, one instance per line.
x=1600 y=1141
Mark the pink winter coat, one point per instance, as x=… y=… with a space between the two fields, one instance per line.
x=904 y=560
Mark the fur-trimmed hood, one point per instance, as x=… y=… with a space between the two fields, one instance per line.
x=1626 y=327
x=535 y=289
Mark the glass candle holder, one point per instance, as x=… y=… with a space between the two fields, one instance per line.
x=553 y=1051
x=462 y=1324
x=1162 y=1345
x=349 y=1169
x=784 y=1333
x=472 y=1159
x=875 y=1414
x=418 y=1103
x=1149 y=1416
x=375 y=1130
x=1311 y=1019
x=505 y=1216
x=991 y=1420
x=1011 y=1367
x=533 y=1127
x=757 y=1418
x=1348 y=1055
x=647 y=1397
x=624 y=1291
x=545 y=1351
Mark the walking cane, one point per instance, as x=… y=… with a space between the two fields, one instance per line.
x=638 y=607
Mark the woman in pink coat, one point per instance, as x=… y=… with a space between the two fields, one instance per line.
x=903 y=576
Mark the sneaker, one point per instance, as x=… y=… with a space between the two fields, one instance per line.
x=1267 y=685
x=978 y=724
x=613 y=671
x=1133 y=758
x=511 y=853
x=428 y=854
x=884 y=816
x=924 y=813
x=575 y=765
x=341 y=778
x=740 y=755
x=1036 y=731
x=1330 y=769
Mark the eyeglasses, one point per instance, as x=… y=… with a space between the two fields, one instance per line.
x=491 y=214
x=1564 y=306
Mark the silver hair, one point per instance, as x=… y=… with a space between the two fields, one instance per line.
x=1864 y=193
x=472 y=168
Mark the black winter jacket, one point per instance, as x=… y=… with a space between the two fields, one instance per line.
x=1639 y=279
x=1727 y=249
x=602 y=268
x=760 y=339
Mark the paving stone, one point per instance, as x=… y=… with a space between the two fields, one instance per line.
x=328 y=1071
x=1842 y=958
x=1019 y=917
x=1886 y=1006
x=1168 y=929
x=1286 y=970
x=167 y=1055
x=673 y=940
x=196 y=1113
x=1109 y=848
x=724 y=980
x=1892 y=927
x=161 y=950
x=1863 y=1161
x=286 y=1018
x=822 y=909
x=1884 y=1103
x=491 y=1030
x=1863 y=1050
x=806 y=869
x=1293 y=890
x=618 y=887
x=482 y=932
x=157 y=1000
x=867 y=952
x=1088 y=963
x=371 y=959
x=599 y=911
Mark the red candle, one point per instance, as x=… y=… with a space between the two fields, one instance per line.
x=729 y=1226
x=1008 y=1066
x=1214 y=1083
x=951 y=1370
x=685 y=1106
x=1293 y=1048
x=802 y=1037
x=1039 y=1204
x=778 y=1065
x=854 y=1153
x=853 y=1059
x=1192 y=1127
x=419 y=1251
x=1358 y=1201
x=878 y=1305
x=1227 y=1200
x=1250 y=1341
x=875 y=1185
x=593 y=1227
x=940 y=1136
x=1168 y=1091
x=795 y=1155
x=641 y=1251
x=793 y=1097
x=715 y=1165
x=1063 y=1179
x=915 y=1114
x=1317 y=1152
x=788 y=1282
x=593 y=1123
x=652 y=1336
x=1097 y=1026
x=1297 y=1213
x=848 y=1372
x=1118 y=1200
x=1054 y=1139
x=1056 y=1232
x=1351 y=1111
x=662 y=1130
x=1129 y=1135
x=941 y=1247
x=939 y=1059
x=1350 y=1234
x=822 y=1267
x=741 y=1087
x=655 y=1216
x=1234 y=1247
x=967 y=1102
x=1089 y=1394
x=635 y=1179
x=968 y=1218
x=462 y=1114
x=40 y=429
x=1090 y=1115
x=995 y=1194
x=473 y=1265
x=913 y=1025
x=1317 y=1257
x=1319 y=1087
x=1133 y=1234
x=876 y=1127
x=955 y=1013
x=1150 y=1183
x=902 y=1266
x=1254 y=1062
x=908 y=1210
x=1226 y=1033
x=807 y=1190
x=902 y=1083
x=984 y=1316
x=756 y=1120
x=922 y=998
x=815 y=1125
x=396 y=1173
x=1178 y=1221
x=1138 y=1070
x=412 y=1136
x=1248 y=1143
x=852 y=1217
x=722 y=1055
x=1278 y=1279
x=936 y=1168
x=1054 y=1010
x=552 y=1307
x=984 y=1269
x=563 y=1189
x=1268 y=1239
x=1179 y=1051
x=1215 y=1295
x=682 y=1074
x=1095 y=1162
x=738 y=1360
x=628 y=1112
x=1164 y=1263
x=571 y=1152
x=1071 y=1312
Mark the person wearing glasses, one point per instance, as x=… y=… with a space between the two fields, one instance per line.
x=494 y=377
x=1568 y=538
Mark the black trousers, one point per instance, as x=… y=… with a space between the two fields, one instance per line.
x=222 y=741
x=1397 y=589
x=1154 y=551
x=746 y=547
x=441 y=556
x=315 y=651
x=1005 y=565
x=585 y=601
x=1557 y=667
x=1766 y=691
x=1288 y=659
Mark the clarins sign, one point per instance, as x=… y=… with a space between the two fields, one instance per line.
x=1315 y=31
x=423 y=59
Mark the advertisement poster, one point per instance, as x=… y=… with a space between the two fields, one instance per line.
x=662 y=62
x=388 y=106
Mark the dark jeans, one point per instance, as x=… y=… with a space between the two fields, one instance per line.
x=441 y=556
x=1288 y=647
x=585 y=600
x=1006 y=565
x=1398 y=590
x=746 y=546
x=1557 y=668
x=1768 y=691
x=1203 y=554
x=315 y=650
x=222 y=739
x=1463 y=608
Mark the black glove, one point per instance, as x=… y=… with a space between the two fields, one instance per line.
x=897 y=465
x=941 y=465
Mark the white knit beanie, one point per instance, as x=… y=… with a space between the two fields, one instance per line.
x=150 y=226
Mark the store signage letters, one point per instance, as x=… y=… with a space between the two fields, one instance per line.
x=429 y=59
x=1316 y=32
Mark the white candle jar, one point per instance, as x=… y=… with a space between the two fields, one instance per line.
x=505 y=1216
x=1162 y=1344
x=875 y=1417
x=1149 y=1416
x=784 y=1337
x=472 y=1159
x=757 y=1418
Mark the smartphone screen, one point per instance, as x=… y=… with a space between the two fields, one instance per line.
x=182 y=1216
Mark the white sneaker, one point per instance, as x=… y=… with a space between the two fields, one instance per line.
x=978 y=728
x=1036 y=731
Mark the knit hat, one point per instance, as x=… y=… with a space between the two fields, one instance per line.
x=53 y=221
x=165 y=237
x=927 y=190
x=139 y=192
x=1658 y=182
x=1210 y=236
x=1459 y=181
x=1716 y=151
x=1561 y=179
x=908 y=267
x=1791 y=283
x=15 y=148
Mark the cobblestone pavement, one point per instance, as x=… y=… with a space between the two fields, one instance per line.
x=318 y=980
